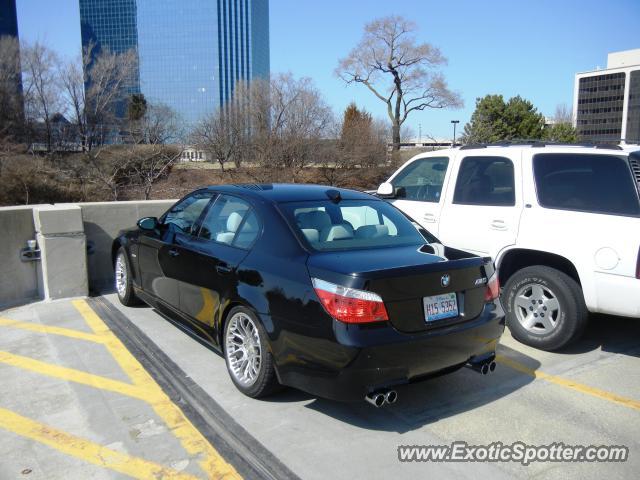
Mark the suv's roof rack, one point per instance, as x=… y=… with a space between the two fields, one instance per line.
x=538 y=143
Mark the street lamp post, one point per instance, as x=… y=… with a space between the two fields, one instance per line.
x=455 y=122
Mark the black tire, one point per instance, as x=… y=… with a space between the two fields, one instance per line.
x=571 y=318
x=266 y=382
x=127 y=297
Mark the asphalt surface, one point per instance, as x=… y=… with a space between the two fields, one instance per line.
x=181 y=414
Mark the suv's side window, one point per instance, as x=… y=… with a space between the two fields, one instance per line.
x=184 y=214
x=586 y=183
x=422 y=179
x=485 y=181
x=231 y=221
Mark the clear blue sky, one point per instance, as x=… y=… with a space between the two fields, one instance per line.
x=528 y=47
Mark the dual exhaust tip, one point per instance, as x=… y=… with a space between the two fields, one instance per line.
x=484 y=368
x=384 y=397
x=389 y=397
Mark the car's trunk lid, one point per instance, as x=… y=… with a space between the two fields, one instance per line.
x=404 y=276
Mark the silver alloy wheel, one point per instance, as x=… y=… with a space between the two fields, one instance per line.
x=121 y=275
x=537 y=308
x=243 y=349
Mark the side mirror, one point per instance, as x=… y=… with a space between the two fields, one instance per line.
x=386 y=190
x=148 y=223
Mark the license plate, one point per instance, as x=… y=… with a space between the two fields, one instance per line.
x=439 y=307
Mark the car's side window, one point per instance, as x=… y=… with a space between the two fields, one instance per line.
x=585 y=183
x=185 y=214
x=485 y=181
x=231 y=221
x=422 y=179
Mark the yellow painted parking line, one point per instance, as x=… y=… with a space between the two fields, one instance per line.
x=579 y=387
x=73 y=375
x=86 y=450
x=190 y=437
x=39 y=328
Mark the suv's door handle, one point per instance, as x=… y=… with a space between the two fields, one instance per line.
x=174 y=253
x=429 y=218
x=498 y=225
x=223 y=269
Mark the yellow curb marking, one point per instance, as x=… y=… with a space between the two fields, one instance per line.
x=65 y=332
x=85 y=449
x=192 y=440
x=143 y=388
x=73 y=375
x=579 y=387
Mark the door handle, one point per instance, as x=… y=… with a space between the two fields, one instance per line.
x=223 y=269
x=429 y=218
x=174 y=253
x=498 y=224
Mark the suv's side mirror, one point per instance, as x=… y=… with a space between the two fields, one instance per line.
x=148 y=223
x=386 y=190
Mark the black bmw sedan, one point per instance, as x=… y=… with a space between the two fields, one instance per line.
x=331 y=291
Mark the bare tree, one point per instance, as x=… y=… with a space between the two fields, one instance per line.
x=41 y=87
x=282 y=123
x=157 y=148
x=221 y=134
x=96 y=92
x=398 y=71
x=563 y=114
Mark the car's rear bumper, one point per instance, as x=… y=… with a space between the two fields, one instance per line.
x=359 y=361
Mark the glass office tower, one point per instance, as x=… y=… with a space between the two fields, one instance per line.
x=9 y=28
x=8 y=18
x=191 y=53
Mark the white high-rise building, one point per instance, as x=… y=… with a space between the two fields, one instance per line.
x=606 y=102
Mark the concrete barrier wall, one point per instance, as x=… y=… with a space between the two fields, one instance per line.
x=102 y=222
x=18 y=280
x=21 y=282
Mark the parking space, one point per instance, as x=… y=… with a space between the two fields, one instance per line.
x=70 y=385
x=78 y=402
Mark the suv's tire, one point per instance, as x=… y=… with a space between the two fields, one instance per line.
x=251 y=341
x=545 y=307
x=123 y=282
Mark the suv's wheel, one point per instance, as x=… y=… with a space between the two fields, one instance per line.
x=545 y=307
x=247 y=354
x=124 y=288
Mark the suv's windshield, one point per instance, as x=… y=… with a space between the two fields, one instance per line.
x=586 y=182
x=350 y=224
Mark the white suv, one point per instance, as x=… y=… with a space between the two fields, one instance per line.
x=561 y=222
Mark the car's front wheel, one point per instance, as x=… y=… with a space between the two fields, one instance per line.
x=545 y=307
x=247 y=354
x=124 y=286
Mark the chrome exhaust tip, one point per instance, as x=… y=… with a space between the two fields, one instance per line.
x=483 y=367
x=391 y=397
x=376 y=399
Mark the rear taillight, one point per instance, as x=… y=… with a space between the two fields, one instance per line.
x=493 y=289
x=350 y=305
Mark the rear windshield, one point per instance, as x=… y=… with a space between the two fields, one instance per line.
x=350 y=225
x=586 y=183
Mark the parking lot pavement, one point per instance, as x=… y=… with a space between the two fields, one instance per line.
x=589 y=395
x=76 y=404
